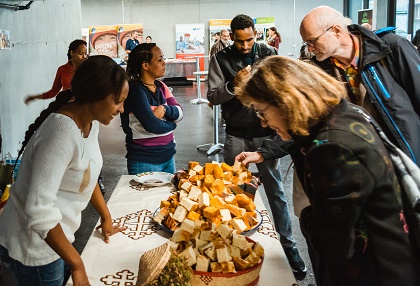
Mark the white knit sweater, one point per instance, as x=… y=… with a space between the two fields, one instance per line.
x=56 y=178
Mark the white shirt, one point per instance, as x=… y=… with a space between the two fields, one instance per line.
x=56 y=178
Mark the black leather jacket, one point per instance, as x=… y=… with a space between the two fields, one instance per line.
x=241 y=121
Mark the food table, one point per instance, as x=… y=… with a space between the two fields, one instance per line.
x=179 y=68
x=116 y=263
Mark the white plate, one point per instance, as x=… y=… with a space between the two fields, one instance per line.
x=259 y=218
x=153 y=179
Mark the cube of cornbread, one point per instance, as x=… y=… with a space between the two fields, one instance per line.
x=189 y=204
x=236 y=211
x=194 y=179
x=180 y=235
x=224 y=230
x=253 y=258
x=202 y=249
x=210 y=212
x=217 y=187
x=217 y=172
x=243 y=176
x=250 y=207
x=245 y=252
x=203 y=200
x=208 y=168
x=238 y=224
x=189 y=254
x=164 y=204
x=173 y=245
x=183 y=194
x=215 y=267
x=226 y=168
x=206 y=234
x=234 y=251
x=180 y=213
x=258 y=249
x=196 y=252
x=217 y=202
x=240 y=264
x=199 y=169
x=223 y=254
x=202 y=263
x=174 y=204
x=188 y=225
x=239 y=241
x=198 y=223
x=193 y=215
x=170 y=222
x=199 y=243
x=230 y=199
x=192 y=173
x=194 y=193
x=186 y=186
x=208 y=180
x=249 y=219
x=250 y=245
x=225 y=215
x=206 y=226
x=228 y=267
x=242 y=200
x=192 y=164
x=163 y=212
x=227 y=176
x=235 y=180
x=195 y=234
x=216 y=221
x=237 y=166
x=211 y=253
x=219 y=242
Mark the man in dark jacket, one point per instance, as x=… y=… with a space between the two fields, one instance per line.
x=243 y=128
x=381 y=72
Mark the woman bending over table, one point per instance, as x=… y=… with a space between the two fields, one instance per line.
x=354 y=223
x=151 y=113
x=58 y=177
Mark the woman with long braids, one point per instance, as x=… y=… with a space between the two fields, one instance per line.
x=76 y=55
x=58 y=177
x=150 y=114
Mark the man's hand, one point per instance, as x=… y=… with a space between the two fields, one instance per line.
x=242 y=75
x=249 y=157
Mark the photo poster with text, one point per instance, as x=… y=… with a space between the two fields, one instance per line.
x=124 y=33
x=85 y=37
x=261 y=26
x=215 y=26
x=5 y=40
x=103 y=41
x=190 y=42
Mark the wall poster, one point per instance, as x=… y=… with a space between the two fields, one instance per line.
x=190 y=42
x=103 y=41
x=124 y=33
x=5 y=40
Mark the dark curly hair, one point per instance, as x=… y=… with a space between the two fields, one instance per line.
x=140 y=54
x=74 y=45
x=95 y=79
x=241 y=22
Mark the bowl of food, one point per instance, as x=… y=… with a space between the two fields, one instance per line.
x=153 y=179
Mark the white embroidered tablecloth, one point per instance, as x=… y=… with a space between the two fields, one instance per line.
x=116 y=263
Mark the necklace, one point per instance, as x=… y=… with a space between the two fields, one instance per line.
x=149 y=84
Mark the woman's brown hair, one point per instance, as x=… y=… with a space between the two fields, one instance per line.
x=304 y=93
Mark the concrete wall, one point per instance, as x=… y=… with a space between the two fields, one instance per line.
x=160 y=17
x=40 y=38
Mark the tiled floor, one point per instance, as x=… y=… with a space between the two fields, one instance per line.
x=195 y=129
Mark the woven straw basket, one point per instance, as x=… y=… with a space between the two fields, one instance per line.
x=247 y=277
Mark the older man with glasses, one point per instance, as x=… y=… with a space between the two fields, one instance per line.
x=381 y=72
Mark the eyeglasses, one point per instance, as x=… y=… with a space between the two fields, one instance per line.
x=260 y=114
x=311 y=43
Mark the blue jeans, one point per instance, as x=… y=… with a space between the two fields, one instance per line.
x=270 y=172
x=135 y=167
x=53 y=274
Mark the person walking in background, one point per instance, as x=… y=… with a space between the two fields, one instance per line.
x=148 y=40
x=416 y=40
x=222 y=43
x=381 y=72
x=58 y=177
x=132 y=42
x=76 y=54
x=274 y=38
x=353 y=222
x=151 y=113
x=243 y=129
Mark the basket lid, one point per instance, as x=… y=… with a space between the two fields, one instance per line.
x=152 y=263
